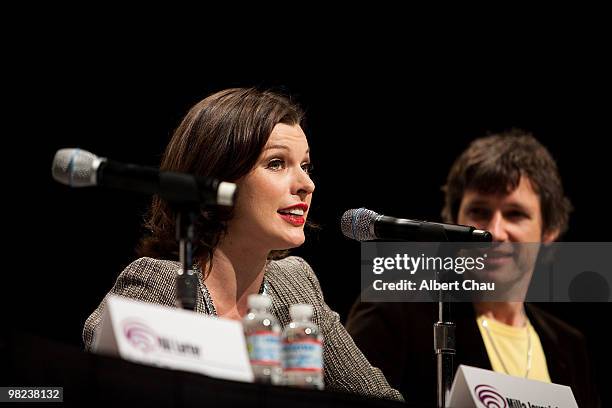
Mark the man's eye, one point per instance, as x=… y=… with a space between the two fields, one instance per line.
x=517 y=214
x=477 y=212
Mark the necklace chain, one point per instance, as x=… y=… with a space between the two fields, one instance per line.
x=485 y=324
x=208 y=301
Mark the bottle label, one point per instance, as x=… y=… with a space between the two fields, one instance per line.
x=304 y=355
x=264 y=348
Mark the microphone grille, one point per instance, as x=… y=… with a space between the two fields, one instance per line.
x=75 y=167
x=358 y=224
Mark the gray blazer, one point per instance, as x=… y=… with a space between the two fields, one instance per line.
x=290 y=281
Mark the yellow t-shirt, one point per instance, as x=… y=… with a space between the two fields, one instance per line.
x=512 y=344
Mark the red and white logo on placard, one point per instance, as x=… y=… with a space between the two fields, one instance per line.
x=490 y=397
x=140 y=336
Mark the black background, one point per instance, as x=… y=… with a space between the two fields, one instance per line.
x=384 y=125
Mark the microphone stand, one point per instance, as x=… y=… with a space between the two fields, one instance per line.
x=187 y=279
x=444 y=347
x=444 y=329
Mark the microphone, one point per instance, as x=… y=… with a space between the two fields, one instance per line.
x=80 y=168
x=365 y=225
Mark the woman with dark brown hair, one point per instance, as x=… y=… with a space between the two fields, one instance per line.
x=253 y=138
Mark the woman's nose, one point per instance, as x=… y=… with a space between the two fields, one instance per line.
x=303 y=184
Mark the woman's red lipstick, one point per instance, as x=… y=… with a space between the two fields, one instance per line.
x=295 y=219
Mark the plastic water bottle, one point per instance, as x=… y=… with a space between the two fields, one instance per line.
x=262 y=333
x=302 y=350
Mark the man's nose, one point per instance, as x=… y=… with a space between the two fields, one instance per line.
x=497 y=227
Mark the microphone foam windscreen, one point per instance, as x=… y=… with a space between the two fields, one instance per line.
x=74 y=167
x=358 y=224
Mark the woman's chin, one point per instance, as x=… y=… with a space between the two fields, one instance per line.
x=291 y=242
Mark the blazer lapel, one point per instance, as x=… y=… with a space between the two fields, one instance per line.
x=470 y=347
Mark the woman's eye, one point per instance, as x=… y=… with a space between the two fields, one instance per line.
x=307 y=167
x=276 y=164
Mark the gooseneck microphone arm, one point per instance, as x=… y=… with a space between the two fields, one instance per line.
x=174 y=187
x=80 y=168
x=401 y=229
x=366 y=225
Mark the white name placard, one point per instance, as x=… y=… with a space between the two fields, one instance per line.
x=478 y=388
x=173 y=338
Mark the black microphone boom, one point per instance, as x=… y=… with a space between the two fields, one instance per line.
x=80 y=168
x=366 y=225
